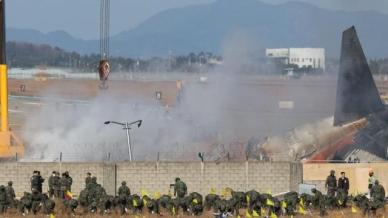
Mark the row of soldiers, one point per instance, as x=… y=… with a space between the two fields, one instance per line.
x=7 y=197
x=29 y=202
x=93 y=198
x=59 y=186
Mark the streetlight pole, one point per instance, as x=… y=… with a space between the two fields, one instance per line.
x=127 y=127
x=128 y=141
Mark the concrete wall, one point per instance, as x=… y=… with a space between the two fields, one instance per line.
x=157 y=176
x=357 y=174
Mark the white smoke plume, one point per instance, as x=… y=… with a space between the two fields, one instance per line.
x=227 y=109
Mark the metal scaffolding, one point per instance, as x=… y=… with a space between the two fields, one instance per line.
x=104 y=29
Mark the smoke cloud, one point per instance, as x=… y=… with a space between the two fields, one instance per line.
x=214 y=116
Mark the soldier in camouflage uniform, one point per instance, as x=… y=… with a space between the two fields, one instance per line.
x=180 y=191
x=48 y=205
x=378 y=196
x=105 y=203
x=151 y=204
x=36 y=181
x=195 y=203
x=291 y=200
x=319 y=201
x=165 y=201
x=93 y=207
x=210 y=201
x=10 y=195
x=56 y=183
x=362 y=202
x=66 y=181
x=331 y=184
x=36 y=198
x=341 y=198
x=69 y=179
x=223 y=208
x=52 y=180
x=25 y=203
x=180 y=188
x=137 y=204
x=252 y=197
x=124 y=192
x=99 y=193
x=96 y=195
x=109 y=203
x=3 y=200
x=88 y=179
x=71 y=205
x=83 y=198
x=307 y=199
x=92 y=194
x=237 y=201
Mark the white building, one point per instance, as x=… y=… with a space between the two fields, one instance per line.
x=303 y=57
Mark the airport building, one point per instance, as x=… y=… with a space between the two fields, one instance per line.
x=303 y=57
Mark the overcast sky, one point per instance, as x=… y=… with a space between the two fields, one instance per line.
x=80 y=17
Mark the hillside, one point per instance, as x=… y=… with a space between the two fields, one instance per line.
x=205 y=28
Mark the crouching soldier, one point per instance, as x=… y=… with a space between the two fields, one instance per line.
x=151 y=204
x=164 y=201
x=319 y=201
x=196 y=203
x=25 y=203
x=378 y=197
x=36 y=201
x=291 y=200
x=48 y=205
x=137 y=204
x=71 y=205
x=211 y=200
x=362 y=202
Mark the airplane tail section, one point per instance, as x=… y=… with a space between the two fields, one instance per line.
x=357 y=94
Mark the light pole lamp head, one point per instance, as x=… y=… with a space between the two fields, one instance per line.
x=139 y=123
x=107 y=122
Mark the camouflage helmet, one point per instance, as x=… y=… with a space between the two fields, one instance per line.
x=94 y=179
x=10 y=183
x=177 y=179
x=377 y=182
x=2 y=187
x=313 y=190
x=123 y=183
x=332 y=172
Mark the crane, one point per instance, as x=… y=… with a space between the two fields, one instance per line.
x=10 y=145
x=104 y=67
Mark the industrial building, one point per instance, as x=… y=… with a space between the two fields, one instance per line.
x=302 y=57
